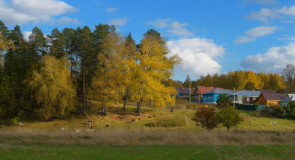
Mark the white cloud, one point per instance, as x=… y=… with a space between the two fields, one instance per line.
x=261 y=31
x=198 y=56
x=243 y=39
x=27 y=34
x=288 y=10
x=263 y=15
x=274 y=60
x=253 y=33
x=111 y=9
x=160 y=23
x=178 y=29
x=172 y=28
x=118 y=21
x=33 y=11
x=266 y=14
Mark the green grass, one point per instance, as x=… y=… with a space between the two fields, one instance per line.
x=153 y=118
x=156 y=134
x=200 y=152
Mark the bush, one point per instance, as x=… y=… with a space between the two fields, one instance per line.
x=192 y=106
x=167 y=122
x=228 y=117
x=13 y=121
x=267 y=112
x=206 y=117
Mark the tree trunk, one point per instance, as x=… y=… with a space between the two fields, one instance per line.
x=32 y=86
x=138 y=108
x=104 y=110
x=84 y=89
x=126 y=99
x=125 y=102
x=227 y=128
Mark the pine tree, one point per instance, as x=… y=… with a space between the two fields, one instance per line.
x=57 y=48
x=187 y=83
x=86 y=55
x=37 y=48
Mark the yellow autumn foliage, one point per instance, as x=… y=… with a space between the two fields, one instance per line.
x=53 y=86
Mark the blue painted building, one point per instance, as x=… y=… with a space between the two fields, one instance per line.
x=213 y=95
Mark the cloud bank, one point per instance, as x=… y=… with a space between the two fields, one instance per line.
x=254 y=33
x=266 y=14
x=172 y=28
x=198 y=56
x=274 y=60
x=118 y=21
x=19 y=12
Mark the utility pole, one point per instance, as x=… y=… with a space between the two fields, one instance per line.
x=199 y=96
x=190 y=88
x=234 y=97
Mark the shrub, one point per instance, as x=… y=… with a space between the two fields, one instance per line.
x=167 y=122
x=267 y=112
x=223 y=101
x=206 y=117
x=192 y=106
x=228 y=117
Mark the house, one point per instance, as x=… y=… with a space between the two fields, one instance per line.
x=183 y=92
x=213 y=95
x=200 y=90
x=286 y=101
x=270 y=98
x=244 y=97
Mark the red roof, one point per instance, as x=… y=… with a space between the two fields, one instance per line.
x=203 y=89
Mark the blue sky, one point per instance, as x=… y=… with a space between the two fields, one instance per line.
x=211 y=36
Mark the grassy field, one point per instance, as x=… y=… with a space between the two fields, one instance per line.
x=152 y=119
x=156 y=134
x=186 y=152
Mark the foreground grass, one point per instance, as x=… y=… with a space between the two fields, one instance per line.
x=44 y=152
x=153 y=118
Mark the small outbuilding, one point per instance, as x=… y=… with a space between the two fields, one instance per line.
x=286 y=101
x=270 y=98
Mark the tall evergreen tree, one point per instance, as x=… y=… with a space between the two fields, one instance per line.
x=37 y=47
x=187 y=83
x=86 y=55
x=69 y=37
x=57 y=48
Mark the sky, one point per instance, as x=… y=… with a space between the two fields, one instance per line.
x=211 y=36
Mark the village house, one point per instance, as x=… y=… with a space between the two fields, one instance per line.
x=199 y=91
x=286 y=101
x=213 y=95
x=184 y=92
x=244 y=97
x=270 y=98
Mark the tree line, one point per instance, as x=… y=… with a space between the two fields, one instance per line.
x=56 y=75
x=246 y=80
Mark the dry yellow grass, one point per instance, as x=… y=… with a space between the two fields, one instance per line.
x=146 y=137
